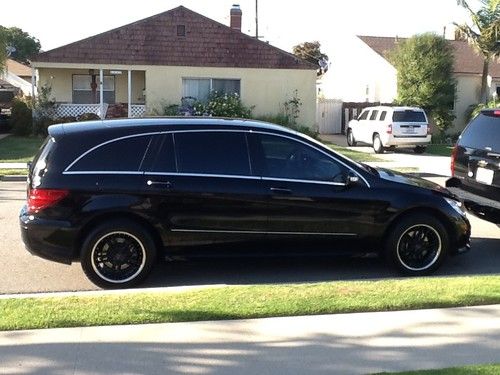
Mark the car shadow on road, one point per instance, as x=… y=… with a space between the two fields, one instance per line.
x=483 y=259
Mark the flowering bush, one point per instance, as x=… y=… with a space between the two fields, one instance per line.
x=222 y=105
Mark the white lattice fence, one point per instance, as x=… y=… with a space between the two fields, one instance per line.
x=75 y=110
x=138 y=110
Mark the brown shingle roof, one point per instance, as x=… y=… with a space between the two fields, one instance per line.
x=154 y=41
x=467 y=60
x=18 y=69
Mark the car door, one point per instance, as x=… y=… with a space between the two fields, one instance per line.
x=202 y=188
x=360 y=129
x=308 y=197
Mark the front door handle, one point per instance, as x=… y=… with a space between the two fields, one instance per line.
x=166 y=184
x=280 y=190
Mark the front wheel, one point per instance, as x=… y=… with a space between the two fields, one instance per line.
x=377 y=144
x=118 y=254
x=417 y=245
x=351 y=141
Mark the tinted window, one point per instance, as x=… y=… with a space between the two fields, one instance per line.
x=483 y=131
x=363 y=115
x=212 y=153
x=408 y=116
x=382 y=115
x=286 y=158
x=374 y=115
x=165 y=159
x=120 y=155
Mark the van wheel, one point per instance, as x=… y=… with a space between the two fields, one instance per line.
x=417 y=245
x=419 y=149
x=118 y=254
x=350 y=138
x=377 y=144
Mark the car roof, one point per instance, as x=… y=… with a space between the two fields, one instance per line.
x=396 y=108
x=159 y=124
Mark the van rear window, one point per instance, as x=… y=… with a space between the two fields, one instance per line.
x=408 y=116
x=483 y=131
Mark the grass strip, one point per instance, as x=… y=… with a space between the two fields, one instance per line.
x=256 y=301
x=439 y=150
x=488 y=369
x=352 y=154
x=13 y=172
x=14 y=149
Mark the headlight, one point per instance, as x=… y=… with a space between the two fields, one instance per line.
x=456 y=205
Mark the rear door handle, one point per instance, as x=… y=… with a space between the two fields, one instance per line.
x=280 y=190
x=166 y=184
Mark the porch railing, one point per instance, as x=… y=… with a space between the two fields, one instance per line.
x=75 y=110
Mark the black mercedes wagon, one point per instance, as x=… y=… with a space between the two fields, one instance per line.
x=118 y=195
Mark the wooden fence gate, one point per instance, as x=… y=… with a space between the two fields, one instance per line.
x=329 y=116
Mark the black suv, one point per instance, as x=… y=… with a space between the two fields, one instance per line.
x=115 y=195
x=475 y=166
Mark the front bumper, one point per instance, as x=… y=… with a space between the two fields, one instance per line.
x=49 y=239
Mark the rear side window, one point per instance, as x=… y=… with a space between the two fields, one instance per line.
x=408 y=116
x=224 y=153
x=165 y=159
x=121 y=155
x=363 y=115
x=374 y=115
x=483 y=131
x=382 y=115
x=41 y=161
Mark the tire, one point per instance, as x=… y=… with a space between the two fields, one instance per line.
x=377 y=144
x=419 y=149
x=350 y=138
x=417 y=245
x=128 y=251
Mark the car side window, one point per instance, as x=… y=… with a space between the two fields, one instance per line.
x=289 y=159
x=212 y=152
x=374 y=114
x=123 y=155
x=165 y=158
x=363 y=115
x=382 y=115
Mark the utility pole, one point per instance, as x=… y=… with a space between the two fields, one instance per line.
x=256 y=19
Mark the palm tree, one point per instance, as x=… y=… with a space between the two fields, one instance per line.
x=484 y=35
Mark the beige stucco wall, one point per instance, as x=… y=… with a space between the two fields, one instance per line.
x=265 y=89
x=467 y=94
x=61 y=82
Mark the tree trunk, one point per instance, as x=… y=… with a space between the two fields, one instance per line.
x=484 y=81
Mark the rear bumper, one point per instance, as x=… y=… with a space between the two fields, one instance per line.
x=391 y=140
x=49 y=239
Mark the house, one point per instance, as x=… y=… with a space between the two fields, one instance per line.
x=364 y=74
x=159 y=60
x=16 y=76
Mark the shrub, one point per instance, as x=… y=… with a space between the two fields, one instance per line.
x=21 y=119
x=88 y=117
x=284 y=120
x=222 y=105
x=474 y=109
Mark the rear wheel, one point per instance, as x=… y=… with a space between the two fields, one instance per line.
x=419 y=149
x=417 y=245
x=377 y=144
x=118 y=254
x=350 y=138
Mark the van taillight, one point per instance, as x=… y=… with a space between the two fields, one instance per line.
x=38 y=199
x=453 y=157
x=389 y=129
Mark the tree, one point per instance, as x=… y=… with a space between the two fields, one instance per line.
x=3 y=52
x=311 y=51
x=424 y=65
x=484 y=35
x=26 y=46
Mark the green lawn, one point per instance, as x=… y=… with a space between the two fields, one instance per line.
x=439 y=150
x=354 y=155
x=256 y=301
x=493 y=369
x=15 y=149
x=13 y=172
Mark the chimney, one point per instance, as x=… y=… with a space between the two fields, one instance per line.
x=236 y=13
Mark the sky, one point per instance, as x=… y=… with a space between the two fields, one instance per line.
x=283 y=23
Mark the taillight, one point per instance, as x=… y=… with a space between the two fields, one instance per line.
x=453 y=157
x=496 y=113
x=38 y=199
x=389 y=129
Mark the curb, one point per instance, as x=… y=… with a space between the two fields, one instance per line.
x=13 y=178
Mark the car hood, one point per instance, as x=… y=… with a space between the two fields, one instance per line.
x=407 y=179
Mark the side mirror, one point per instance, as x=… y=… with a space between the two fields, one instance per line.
x=349 y=178
x=453 y=182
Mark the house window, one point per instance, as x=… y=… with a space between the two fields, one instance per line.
x=181 y=30
x=86 y=89
x=200 y=88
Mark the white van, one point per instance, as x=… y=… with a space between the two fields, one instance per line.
x=385 y=127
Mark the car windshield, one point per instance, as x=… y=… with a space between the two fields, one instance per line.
x=482 y=132
x=408 y=116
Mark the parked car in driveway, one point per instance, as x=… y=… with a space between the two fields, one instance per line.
x=390 y=127
x=475 y=166
x=115 y=195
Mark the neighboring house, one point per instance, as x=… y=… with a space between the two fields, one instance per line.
x=159 y=60
x=367 y=75
x=17 y=75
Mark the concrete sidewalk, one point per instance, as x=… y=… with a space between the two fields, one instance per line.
x=327 y=344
